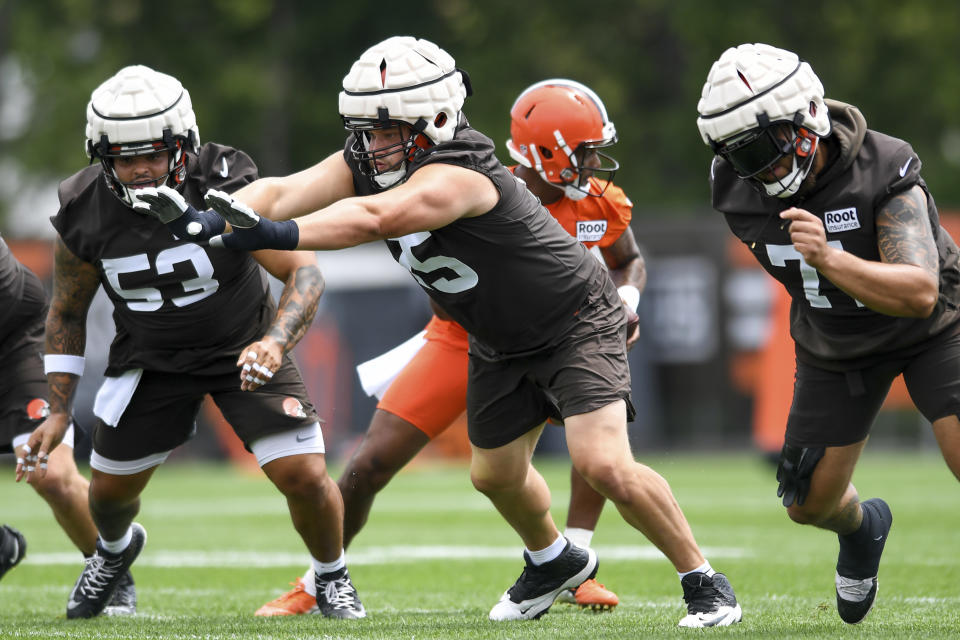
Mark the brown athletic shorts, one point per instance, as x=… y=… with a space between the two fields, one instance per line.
x=162 y=411
x=507 y=398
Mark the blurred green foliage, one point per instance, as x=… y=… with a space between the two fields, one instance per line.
x=264 y=74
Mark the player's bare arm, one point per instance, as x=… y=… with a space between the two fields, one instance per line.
x=904 y=235
x=628 y=270
x=303 y=285
x=75 y=282
x=625 y=262
x=903 y=283
x=434 y=196
x=283 y=198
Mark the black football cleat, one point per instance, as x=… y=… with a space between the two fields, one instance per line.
x=337 y=597
x=858 y=566
x=102 y=576
x=13 y=546
x=710 y=601
x=539 y=585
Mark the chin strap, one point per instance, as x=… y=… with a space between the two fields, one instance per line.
x=791 y=183
x=388 y=179
x=573 y=192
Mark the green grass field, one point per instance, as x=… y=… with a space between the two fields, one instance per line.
x=435 y=556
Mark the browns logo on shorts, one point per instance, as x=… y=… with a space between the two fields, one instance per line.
x=38 y=409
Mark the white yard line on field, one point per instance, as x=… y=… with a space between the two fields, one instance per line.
x=363 y=556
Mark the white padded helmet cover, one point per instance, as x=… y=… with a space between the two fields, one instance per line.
x=752 y=79
x=418 y=80
x=136 y=105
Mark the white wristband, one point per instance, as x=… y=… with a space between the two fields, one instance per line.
x=61 y=363
x=630 y=296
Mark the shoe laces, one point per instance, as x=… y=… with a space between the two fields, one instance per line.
x=124 y=596
x=702 y=597
x=339 y=593
x=97 y=574
x=298 y=587
x=522 y=585
x=591 y=584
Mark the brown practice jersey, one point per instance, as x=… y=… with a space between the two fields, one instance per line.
x=178 y=306
x=23 y=305
x=831 y=329
x=512 y=277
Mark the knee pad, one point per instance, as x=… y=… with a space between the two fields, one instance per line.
x=794 y=472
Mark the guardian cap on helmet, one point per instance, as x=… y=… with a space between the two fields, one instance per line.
x=758 y=105
x=140 y=111
x=402 y=82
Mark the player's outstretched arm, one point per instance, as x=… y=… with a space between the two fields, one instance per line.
x=434 y=196
x=249 y=231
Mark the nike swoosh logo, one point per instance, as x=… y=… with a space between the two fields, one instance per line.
x=878 y=539
x=223 y=167
x=301 y=438
x=903 y=169
x=72 y=604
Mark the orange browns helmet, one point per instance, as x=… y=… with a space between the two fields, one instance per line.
x=553 y=126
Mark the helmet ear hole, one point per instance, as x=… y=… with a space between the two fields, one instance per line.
x=546 y=153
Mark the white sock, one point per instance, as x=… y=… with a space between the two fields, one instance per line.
x=704 y=568
x=579 y=537
x=548 y=554
x=329 y=567
x=309 y=582
x=116 y=546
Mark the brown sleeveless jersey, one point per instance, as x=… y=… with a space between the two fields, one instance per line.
x=513 y=277
x=830 y=328
x=178 y=306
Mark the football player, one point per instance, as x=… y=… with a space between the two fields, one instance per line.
x=547 y=326
x=558 y=129
x=23 y=406
x=839 y=214
x=187 y=317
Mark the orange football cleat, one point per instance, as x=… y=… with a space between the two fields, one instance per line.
x=293 y=603
x=594 y=595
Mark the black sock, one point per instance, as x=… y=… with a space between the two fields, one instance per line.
x=860 y=551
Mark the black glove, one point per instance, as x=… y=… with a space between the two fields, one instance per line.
x=250 y=231
x=169 y=207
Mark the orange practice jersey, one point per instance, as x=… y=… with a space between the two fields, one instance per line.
x=595 y=221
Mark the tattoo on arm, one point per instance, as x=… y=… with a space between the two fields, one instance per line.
x=904 y=234
x=75 y=282
x=61 y=387
x=298 y=306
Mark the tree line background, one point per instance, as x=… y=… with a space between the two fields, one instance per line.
x=264 y=74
